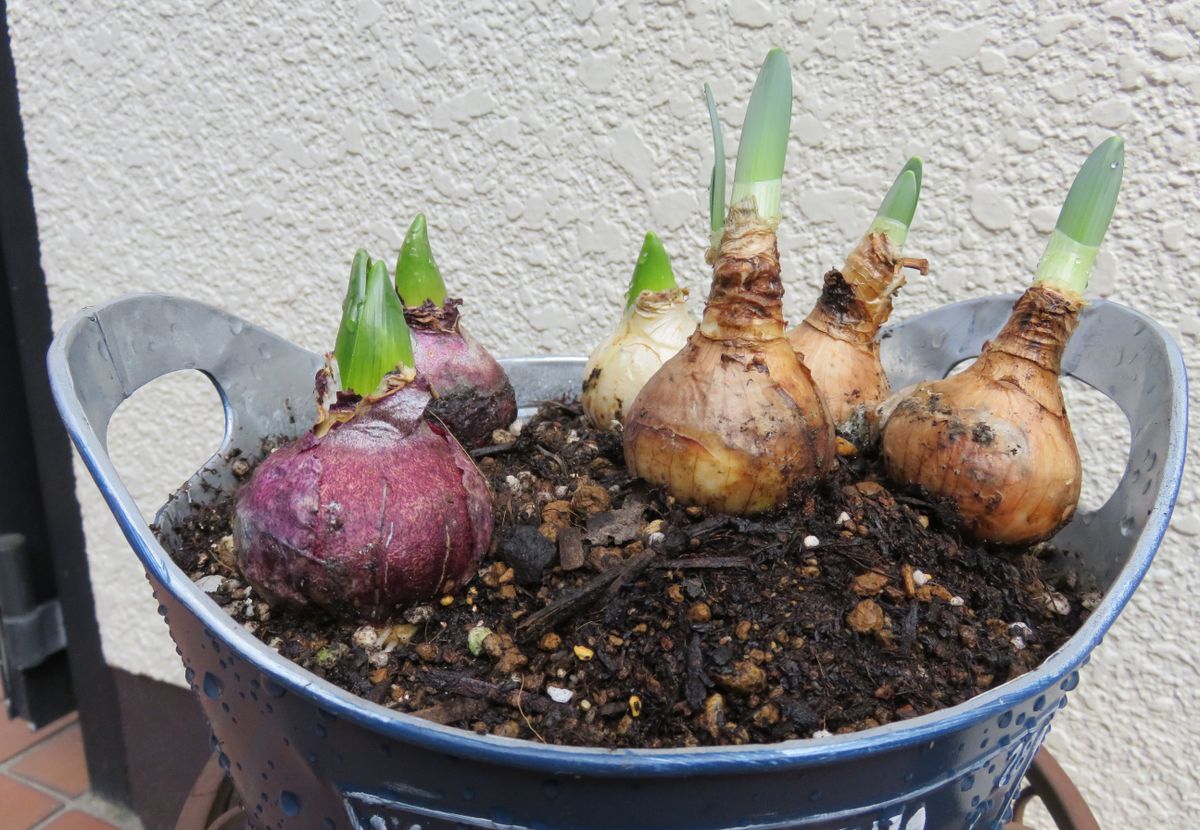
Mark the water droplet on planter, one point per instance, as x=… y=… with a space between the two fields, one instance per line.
x=272 y=688
x=223 y=760
x=968 y=782
x=289 y=802
x=212 y=685
x=329 y=825
x=320 y=730
x=189 y=674
x=1127 y=526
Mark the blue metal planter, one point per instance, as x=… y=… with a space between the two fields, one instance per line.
x=304 y=753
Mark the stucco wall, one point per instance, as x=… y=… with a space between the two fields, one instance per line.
x=238 y=153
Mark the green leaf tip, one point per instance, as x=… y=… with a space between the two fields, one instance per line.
x=716 y=183
x=1089 y=205
x=373 y=338
x=896 y=211
x=917 y=167
x=762 y=149
x=1084 y=218
x=653 y=270
x=417 y=276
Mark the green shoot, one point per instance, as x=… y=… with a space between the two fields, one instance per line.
x=763 y=145
x=1084 y=218
x=373 y=338
x=898 y=206
x=716 y=184
x=417 y=276
x=652 y=272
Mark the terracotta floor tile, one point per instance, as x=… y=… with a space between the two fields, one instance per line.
x=15 y=735
x=57 y=762
x=75 y=820
x=23 y=806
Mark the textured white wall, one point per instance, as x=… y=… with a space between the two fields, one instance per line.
x=238 y=153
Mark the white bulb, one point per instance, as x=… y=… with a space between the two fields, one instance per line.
x=649 y=333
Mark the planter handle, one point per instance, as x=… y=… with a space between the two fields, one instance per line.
x=103 y=355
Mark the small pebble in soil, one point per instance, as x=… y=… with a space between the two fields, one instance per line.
x=211 y=583
x=866 y=618
x=528 y=552
x=475 y=639
x=559 y=694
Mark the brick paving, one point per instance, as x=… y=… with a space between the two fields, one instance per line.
x=44 y=780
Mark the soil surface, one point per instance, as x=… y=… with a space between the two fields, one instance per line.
x=607 y=615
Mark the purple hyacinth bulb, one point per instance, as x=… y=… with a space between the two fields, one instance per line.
x=474 y=395
x=380 y=511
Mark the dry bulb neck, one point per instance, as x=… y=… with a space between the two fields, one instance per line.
x=746 y=299
x=1039 y=327
x=857 y=300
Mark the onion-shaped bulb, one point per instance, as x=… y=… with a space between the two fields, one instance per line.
x=377 y=506
x=995 y=439
x=474 y=395
x=733 y=422
x=839 y=340
x=653 y=327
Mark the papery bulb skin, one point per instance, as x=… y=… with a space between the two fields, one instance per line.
x=374 y=509
x=839 y=340
x=473 y=394
x=995 y=438
x=733 y=422
x=650 y=332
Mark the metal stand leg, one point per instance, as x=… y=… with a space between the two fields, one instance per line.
x=1049 y=783
x=212 y=804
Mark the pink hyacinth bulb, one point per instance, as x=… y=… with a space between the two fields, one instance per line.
x=374 y=509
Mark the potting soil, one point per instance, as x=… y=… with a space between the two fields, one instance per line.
x=607 y=615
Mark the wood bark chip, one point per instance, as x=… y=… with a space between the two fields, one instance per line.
x=570 y=548
x=576 y=602
x=473 y=687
